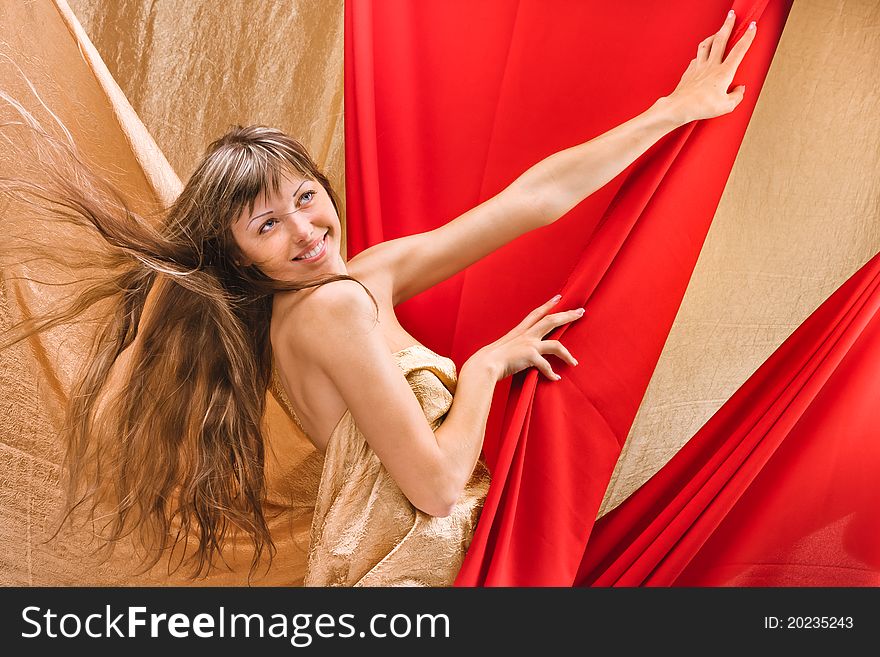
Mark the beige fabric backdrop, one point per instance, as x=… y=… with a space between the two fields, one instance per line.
x=798 y=216
x=191 y=69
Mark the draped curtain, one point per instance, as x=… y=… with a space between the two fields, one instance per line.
x=482 y=99
x=778 y=488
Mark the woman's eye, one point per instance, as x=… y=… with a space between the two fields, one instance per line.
x=307 y=196
x=268 y=222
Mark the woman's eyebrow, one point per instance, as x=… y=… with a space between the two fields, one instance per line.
x=263 y=214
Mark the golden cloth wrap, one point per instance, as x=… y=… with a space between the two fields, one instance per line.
x=365 y=532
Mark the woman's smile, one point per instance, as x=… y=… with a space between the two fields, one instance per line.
x=315 y=252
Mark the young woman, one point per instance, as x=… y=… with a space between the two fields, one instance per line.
x=244 y=286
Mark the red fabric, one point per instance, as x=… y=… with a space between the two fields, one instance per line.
x=779 y=488
x=446 y=103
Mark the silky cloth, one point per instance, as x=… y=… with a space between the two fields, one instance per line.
x=192 y=68
x=440 y=123
x=798 y=217
x=365 y=532
x=43 y=44
x=779 y=488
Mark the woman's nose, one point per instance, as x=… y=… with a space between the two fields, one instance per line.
x=303 y=231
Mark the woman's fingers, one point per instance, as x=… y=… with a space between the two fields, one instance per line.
x=703 y=49
x=719 y=43
x=544 y=368
x=535 y=316
x=736 y=54
x=550 y=322
x=735 y=97
x=556 y=348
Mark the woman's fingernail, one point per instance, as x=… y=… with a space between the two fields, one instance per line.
x=556 y=298
x=753 y=25
x=574 y=360
x=731 y=13
x=556 y=377
x=580 y=311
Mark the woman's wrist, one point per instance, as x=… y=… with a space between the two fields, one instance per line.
x=481 y=367
x=671 y=111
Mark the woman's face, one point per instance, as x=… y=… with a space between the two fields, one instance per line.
x=294 y=235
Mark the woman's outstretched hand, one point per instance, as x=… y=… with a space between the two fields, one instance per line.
x=524 y=345
x=702 y=92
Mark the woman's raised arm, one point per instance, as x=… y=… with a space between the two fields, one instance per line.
x=553 y=186
x=562 y=180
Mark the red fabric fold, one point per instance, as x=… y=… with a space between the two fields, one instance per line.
x=466 y=97
x=779 y=487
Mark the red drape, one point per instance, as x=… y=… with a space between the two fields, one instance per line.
x=446 y=103
x=779 y=488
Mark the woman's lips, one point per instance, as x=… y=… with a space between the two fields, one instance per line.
x=318 y=255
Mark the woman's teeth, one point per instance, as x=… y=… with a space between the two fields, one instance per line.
x=315 y=251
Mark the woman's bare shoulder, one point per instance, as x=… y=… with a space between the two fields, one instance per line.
x=309 y=317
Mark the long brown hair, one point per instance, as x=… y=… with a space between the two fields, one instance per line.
x=177 y=453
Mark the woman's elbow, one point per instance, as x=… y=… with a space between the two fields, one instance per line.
x=437 y=509
x=439 y=504
x=435 y=490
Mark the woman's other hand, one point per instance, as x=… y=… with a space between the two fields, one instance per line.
x=524 y=345
x=702 y=92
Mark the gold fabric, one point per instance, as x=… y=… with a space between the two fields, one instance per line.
x=191 y=69
x=40 y=43
x=365 y=532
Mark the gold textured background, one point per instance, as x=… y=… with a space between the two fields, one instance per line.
x=190 y=69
